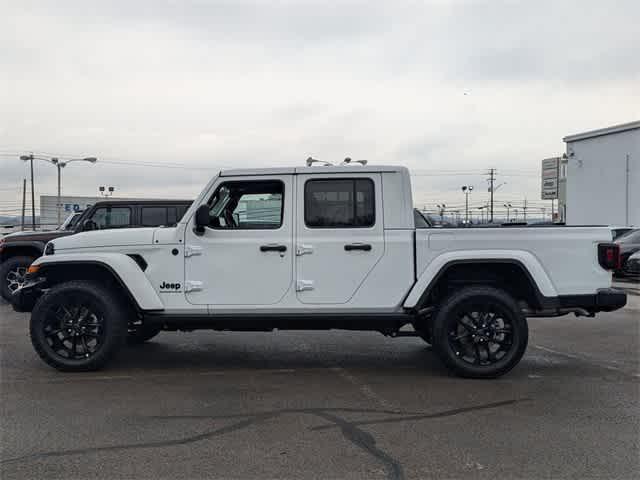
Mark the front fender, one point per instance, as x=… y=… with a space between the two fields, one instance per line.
x=123 y=267
x=526 y=260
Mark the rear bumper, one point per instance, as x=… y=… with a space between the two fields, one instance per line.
x=605 y=300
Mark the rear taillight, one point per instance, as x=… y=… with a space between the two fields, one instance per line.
x=609 y=256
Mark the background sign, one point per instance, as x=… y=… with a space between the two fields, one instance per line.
x=549 y=182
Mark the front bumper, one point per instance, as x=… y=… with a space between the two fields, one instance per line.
x=24 y=298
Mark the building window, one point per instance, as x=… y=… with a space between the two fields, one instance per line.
x=563 y=170
x=343 y=203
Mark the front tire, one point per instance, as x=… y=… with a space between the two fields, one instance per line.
x=12 y=275
x=480 y=332
x=78 y=326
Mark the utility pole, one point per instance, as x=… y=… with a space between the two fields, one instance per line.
x=524 y=210
x=626 y=199
x=24 y=200
x=466 y=189
x=492 y=179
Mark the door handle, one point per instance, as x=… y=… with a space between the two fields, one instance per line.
x=273 y=248
x=357 y=246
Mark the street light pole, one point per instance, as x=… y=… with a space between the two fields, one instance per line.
x=30 y=158
x=508 y=207
x=59 y=165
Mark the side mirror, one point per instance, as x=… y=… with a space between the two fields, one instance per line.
x=202 y=218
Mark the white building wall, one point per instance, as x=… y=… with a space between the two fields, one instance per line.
x=70 y=204
x=597 y=177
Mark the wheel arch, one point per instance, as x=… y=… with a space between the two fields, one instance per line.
x=121 y=271
x=519 y=273
x=21 y=249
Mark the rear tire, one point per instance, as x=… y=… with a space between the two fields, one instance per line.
x=78 y=326
x=480 y=332
x=12 y=273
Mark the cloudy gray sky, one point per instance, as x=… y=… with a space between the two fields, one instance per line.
x=448 y=88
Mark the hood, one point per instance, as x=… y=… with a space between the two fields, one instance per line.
x=117 y=237
x=36 y=236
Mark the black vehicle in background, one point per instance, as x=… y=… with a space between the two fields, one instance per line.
x=632 y=265
x=629 y=244
x=617 y=232
x=18 y=250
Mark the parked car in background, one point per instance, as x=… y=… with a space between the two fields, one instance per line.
x=629 y=244
x=617 y=232
x=18 y=250
x=632 y=265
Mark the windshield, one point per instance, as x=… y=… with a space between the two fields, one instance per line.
x=71 y=221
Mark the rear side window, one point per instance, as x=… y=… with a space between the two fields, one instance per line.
x=154 y=216
x=339 y=203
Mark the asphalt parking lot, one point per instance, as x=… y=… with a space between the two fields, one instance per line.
x=326 y=405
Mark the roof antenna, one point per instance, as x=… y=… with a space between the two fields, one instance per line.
x=311 y=161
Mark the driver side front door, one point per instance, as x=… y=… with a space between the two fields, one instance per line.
x=245 y=255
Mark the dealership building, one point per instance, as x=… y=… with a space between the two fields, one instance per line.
x=597 y=179
x=68 y=205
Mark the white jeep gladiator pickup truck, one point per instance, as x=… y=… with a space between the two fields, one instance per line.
x=331 y=247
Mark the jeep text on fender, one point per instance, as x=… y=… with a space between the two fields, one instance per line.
x=315 y=248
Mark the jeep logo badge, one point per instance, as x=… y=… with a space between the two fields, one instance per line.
x=170 y=286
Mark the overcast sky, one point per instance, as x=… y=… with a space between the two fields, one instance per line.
x=441 y=87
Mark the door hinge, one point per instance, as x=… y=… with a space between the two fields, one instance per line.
x=191 y=250
x=303 y=249
x=192 y=286
x=303 y=285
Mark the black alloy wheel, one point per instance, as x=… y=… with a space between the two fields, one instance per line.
x=74 y=331
x=482 y=334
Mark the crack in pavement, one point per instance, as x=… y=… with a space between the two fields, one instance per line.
x=446 y=413
x=350 y=431
x=366 y=442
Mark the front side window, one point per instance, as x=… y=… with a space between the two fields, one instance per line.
x=112 y=217
x=247 y=205
x=343 y=203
